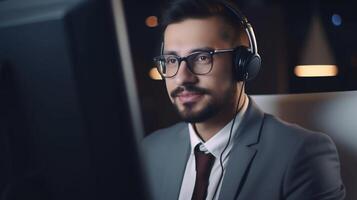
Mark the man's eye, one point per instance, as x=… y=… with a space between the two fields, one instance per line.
x=171 y=60
x=202 y=58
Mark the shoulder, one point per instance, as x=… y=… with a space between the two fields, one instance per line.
x=289 y=133
x=165 y=133
x=293 y=142
x=164 y=136
x=296 y=140
x=309 y=155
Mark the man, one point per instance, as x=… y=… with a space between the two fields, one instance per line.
x=227 y=148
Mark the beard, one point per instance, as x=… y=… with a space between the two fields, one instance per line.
x=212 y=107
x=190 y=116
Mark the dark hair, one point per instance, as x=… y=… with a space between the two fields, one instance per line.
x=180 y=10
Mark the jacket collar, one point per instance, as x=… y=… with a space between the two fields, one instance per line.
x=242 y=153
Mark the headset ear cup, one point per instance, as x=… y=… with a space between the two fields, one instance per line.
x=253 y=66
x=240 y=56
x=246 y=64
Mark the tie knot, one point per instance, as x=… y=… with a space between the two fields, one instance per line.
x=204 y=161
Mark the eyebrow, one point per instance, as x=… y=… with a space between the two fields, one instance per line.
x=190 y=52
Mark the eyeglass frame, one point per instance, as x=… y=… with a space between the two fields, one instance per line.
x=185 y=58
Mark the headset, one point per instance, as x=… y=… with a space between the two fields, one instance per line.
x=246 y=60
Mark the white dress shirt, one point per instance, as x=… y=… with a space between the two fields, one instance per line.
x=215 y=146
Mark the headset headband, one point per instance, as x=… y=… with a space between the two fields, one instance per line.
x=246 y=25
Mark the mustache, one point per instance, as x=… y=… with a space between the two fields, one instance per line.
x=188 y=88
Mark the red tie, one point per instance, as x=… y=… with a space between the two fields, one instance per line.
x=204 y=163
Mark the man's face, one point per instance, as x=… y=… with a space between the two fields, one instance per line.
x=200 y=97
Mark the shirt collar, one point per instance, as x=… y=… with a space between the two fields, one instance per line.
x=217 y=143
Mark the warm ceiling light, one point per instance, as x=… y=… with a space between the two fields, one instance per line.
x=317 y=57
x=154 y=74
x=151 y=21
x=315 y=70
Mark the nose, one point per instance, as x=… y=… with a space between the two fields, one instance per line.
x=184 y=75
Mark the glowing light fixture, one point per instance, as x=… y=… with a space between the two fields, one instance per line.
x=315 y=70
x=154 y=74
x=152 y=21
x=317 y=57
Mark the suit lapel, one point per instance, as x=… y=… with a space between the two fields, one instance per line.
x=176 y=164
x=242 y=154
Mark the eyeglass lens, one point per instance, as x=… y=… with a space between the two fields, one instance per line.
x=199 y=63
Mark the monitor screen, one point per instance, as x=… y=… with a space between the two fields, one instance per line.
x=69 y=121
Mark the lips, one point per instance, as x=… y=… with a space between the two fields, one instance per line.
x=189 y=97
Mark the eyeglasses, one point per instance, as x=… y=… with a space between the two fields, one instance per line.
x=198 y=63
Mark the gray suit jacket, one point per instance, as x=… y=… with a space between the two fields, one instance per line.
x=270 y=159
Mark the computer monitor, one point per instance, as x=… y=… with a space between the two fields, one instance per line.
x=69 y=120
